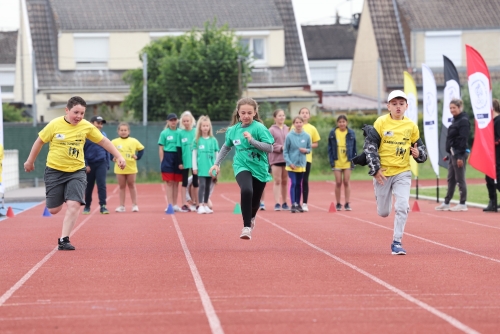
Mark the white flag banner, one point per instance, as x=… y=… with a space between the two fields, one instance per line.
x=431 y=117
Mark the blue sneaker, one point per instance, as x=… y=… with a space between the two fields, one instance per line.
x=397 y=248
x=284 y=207
x=262 y=207
x=277 y=207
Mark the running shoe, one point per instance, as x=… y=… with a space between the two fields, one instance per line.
x=262 y=207
x=300 y=208
x=201 y=210
x=135 y=208
x=208 y=210
x=459 y=207
x=177 y=209
x=442 y=207
x=347 y=207
x=185 y=208
x=86 y=211
x=104 y=210
x=277 y=207
x=246 y=233
x=285 y=207
x=338 y=206
x=304 y=208
x=121 y=208
x=397 y=248
x=192 y=208
x=64 y=244
x=294 y=208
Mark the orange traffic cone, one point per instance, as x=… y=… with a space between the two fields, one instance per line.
x=415 y=207
x=10 y=212
x=332 y=208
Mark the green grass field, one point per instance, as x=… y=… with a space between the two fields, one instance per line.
x=476 y=193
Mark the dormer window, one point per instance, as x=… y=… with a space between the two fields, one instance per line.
x=91 y=51
x=256 y=43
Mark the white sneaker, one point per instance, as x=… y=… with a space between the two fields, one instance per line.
x=208 y=210
x=459 y=207
x=201 y=210
x=252 y=223
x=192 y=208
x=246 y=233
x=177 y=209
x=121 y=208
x=135 y=208
x=442 y=207
x=304 y=207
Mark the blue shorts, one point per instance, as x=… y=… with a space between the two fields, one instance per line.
x=170 y=163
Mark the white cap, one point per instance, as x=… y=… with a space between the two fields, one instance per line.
x=397 y=93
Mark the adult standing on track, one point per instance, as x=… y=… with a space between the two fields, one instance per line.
x=65 y=175
x=97 y=161
x=315 y=138
x=252 y=141
x=388 y=146
x=456 y=146
x=490 y=183
x=279 y=130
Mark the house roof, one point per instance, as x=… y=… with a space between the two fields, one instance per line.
x=8 y=45
x=333 y=41
x=47 y=17
x=162 y=15
x=424 y=15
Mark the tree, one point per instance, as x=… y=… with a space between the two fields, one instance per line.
x=200 y=71
x=12 y=114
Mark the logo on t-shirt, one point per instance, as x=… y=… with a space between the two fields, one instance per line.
x=303 y=141
x=388 y=133
x=201 y=147
x=184 y=140
x=59 y=136
x=119 y=147
x=170 y=137
x=236 y=142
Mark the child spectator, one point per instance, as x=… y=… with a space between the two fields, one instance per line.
x=205 y=148
x=279 y=130
x=185 y=154
x=132 y=150
x=341 y=150
x=65 y=175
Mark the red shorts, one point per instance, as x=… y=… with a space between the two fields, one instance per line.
x=171 y=177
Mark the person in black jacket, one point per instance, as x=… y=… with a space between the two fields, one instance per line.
x=97 y=165
x=490 y=183
x=458 y=152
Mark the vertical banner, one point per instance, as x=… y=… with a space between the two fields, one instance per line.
x=430 y=117
x=412 y=112
x=1 y=140
x=451 y=91
x=482 y=155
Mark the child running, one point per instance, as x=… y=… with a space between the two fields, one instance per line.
x=170 y=172
x=252 y=141
x=297 y=145
x=279 y=130
x=185 y=154
x=132 y=150
x=341 y=150
x=65 y=175
x=388 y=146
x=205 y=148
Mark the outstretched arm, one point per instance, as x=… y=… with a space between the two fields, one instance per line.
x=29 y=165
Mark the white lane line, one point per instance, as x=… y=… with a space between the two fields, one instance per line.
x=416 y=236
x=452 y=321
x=212 y=317
x=37 y=266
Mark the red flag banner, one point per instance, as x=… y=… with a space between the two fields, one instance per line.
x=482 y=156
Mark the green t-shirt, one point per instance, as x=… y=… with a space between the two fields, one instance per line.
x=185 y=141
x=248 y=157
x=207 y=149
x=168 y=139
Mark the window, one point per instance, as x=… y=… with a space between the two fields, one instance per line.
x=91 y=51
x=439 y=43
x=7 y=79
x=323 y=75
x=257 y=48
x=7 y=89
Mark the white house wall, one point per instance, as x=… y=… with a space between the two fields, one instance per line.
x=341 y=78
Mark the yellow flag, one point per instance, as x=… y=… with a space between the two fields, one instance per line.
x=412 y=112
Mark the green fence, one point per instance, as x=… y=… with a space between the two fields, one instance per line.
x=21 y=136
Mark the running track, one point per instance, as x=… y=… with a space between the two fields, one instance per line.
x=315 y=272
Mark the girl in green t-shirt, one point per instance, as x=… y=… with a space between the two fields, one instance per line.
x=205 y=148
x=252 y=141
x=184 y=155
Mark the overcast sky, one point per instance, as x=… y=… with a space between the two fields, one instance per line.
x=307 y=11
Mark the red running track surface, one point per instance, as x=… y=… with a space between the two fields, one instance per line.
x=314 y=272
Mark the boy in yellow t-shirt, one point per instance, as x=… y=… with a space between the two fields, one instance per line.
x=389 y=162
x=65 y=175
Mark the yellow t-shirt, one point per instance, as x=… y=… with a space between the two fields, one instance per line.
x=127 y=147
x=396 y=138
x=314 y=134
x=66 y=143
x=341 y=162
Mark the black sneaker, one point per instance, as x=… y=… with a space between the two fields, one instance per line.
x=64 y=244
x=347 y=207
x=338 y=206
x=299 y=208
x=293 y=209
x=104 y=210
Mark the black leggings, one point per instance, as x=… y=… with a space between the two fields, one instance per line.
x=305 y=183
x=251 y=192
x=185 y=177
x=204 y=192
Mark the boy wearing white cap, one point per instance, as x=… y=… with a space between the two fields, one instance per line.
x=388 y=158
